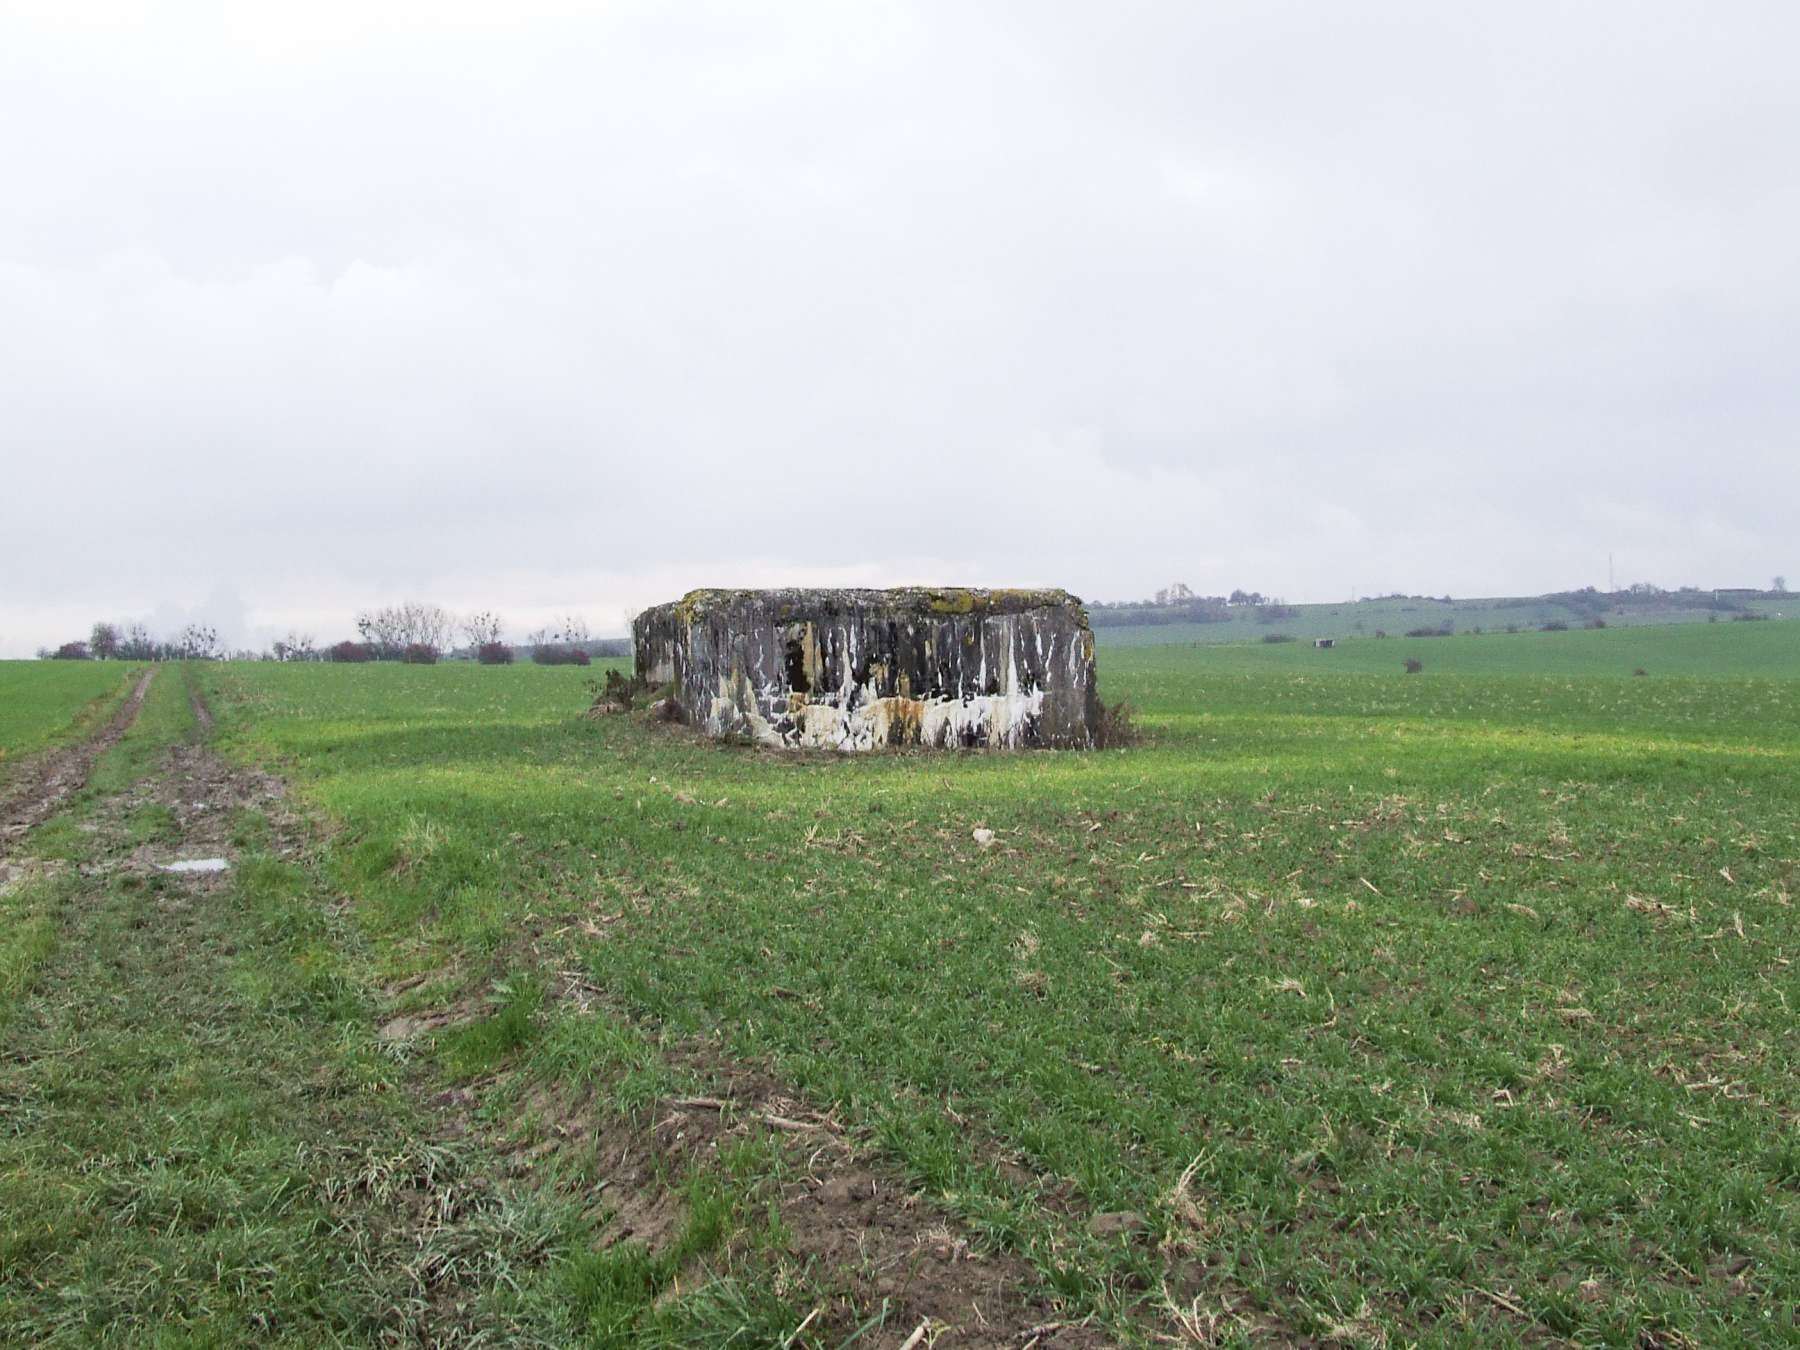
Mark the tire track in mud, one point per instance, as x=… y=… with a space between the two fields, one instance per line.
x=402 y=1214
x=50 y=778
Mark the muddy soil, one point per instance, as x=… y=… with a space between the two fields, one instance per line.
x=45 y=781
x=851 y=1218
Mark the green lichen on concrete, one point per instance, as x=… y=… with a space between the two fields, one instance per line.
x=801 y=603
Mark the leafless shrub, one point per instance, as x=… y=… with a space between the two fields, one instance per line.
x=392 y=629
x=296 y=646
x=1116 y=726
x=196 y=642
x=483 y=629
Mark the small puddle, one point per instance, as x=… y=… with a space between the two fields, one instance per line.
x=195 y=865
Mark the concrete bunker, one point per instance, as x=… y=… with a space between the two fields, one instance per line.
x=865 y=669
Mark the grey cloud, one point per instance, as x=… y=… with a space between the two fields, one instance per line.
x=328 y=305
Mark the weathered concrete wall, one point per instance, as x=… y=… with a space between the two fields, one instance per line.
x=861 y=669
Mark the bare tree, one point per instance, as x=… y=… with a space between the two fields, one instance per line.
x=426 y=625
x=104 y=642
x=137 y=644
x=380 y=631
x=296 y=647
x=196 y=642
x=483 y=628
x=567 y=644
x=392 y=629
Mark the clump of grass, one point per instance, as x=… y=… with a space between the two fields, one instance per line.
x=480 y=1047
x=618 y=692
x=1116 y=726
x=615 y=1291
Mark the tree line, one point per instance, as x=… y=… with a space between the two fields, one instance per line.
x=1178 y=603
x=414 y=631
x=135 y=642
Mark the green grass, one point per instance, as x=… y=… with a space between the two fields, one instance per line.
x=1448 y=994
x=1769 y=650
x=206 y=1142
x=44 y=702
x=1395 y=617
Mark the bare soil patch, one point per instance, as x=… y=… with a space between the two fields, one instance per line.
x=851 y=1219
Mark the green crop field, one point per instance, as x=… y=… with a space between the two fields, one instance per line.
x=1769 y=650
x=1353 y=1005
x=1396 y=616
x=45 y=701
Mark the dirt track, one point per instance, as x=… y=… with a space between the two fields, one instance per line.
x=46 y=780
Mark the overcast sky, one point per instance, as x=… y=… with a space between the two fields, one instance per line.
x=555 y=308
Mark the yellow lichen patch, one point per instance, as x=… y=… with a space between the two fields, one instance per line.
x=809 y=653
x=894 y=721
x=956 y=601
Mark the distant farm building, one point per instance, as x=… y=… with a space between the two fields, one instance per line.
x=1322 y=644
x=864 y=669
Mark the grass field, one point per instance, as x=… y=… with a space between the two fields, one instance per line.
x=1460 y=1000
x=42 y=702
x=1730 y=651
x=1353 y=1005
x=1397 y=616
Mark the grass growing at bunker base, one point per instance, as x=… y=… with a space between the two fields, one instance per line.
x=1456 y=1004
